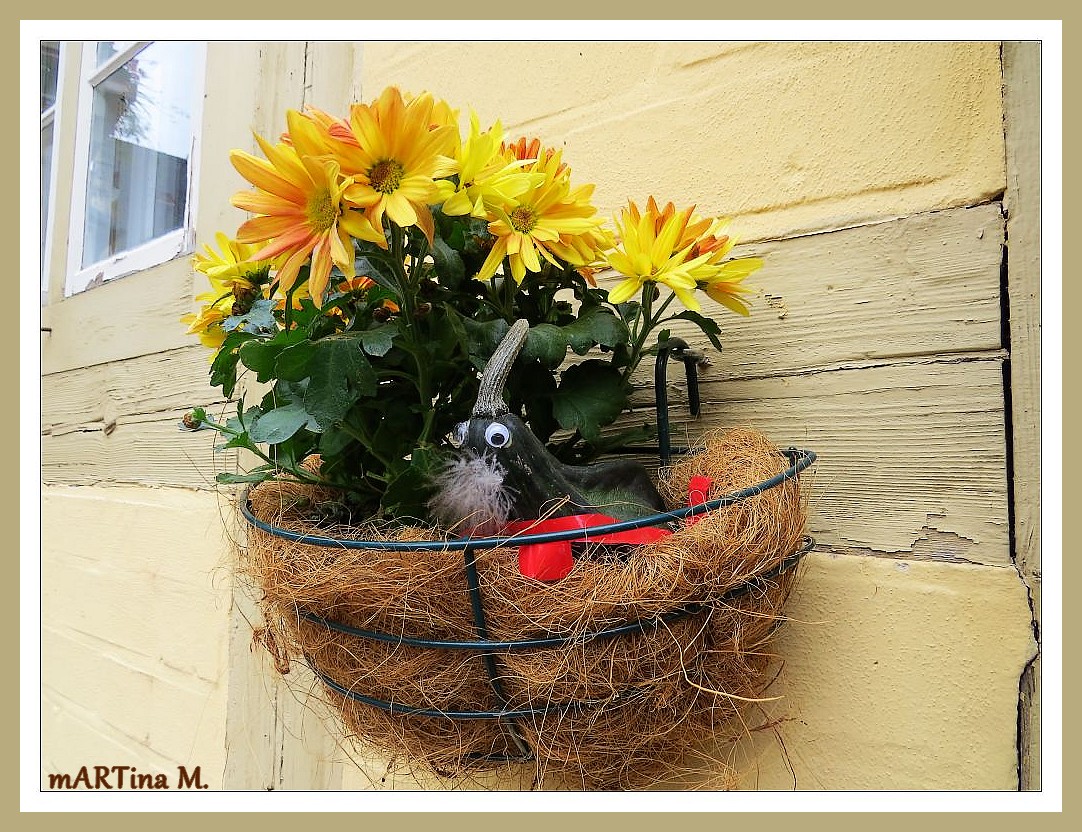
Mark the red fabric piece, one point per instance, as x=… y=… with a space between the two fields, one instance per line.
x=698 y=493
x=553 y=561
x=546 y=561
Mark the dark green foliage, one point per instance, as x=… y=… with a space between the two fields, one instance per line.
x=376 y=377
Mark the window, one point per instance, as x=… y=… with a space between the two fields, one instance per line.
x=139 y=108
x=50 y=73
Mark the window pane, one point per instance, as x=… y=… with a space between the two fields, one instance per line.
x=46 y=172
x=108 y=48
x=50 y=60
x=141 y=135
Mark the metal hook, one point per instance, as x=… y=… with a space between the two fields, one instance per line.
x=678 y=348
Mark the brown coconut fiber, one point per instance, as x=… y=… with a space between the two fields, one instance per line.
x=647 y=700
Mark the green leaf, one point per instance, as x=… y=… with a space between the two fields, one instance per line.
x=534 y=387
x=292 y=363
x=457 y=238
x=590 y=396
x=223 y=372
x=709 y=326
x=408 y=492
x=322 y=326
x=629 y=310
x=258 y=319
x=244 y=418
x=252 y=476
x=397 y=432
x=242 y=441
x=449 y=265
x=334 y=442
x=546 y=343
x=484 y=338
x=456 y=326
x=378 y=341
x=380 y=272
x=307 y=313
x=630 y=436
x=340 y=376
x=477 y=236
x=280 y=424
x=596 y=325
x=261 y=356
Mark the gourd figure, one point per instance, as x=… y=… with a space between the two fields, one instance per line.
x=502 y=472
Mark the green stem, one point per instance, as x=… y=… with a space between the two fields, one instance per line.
x=507 y=293
x=251 y=446
x=640 y=330
x=663 y=307
x=366 y=440
x=645 y=323
x=289 y=307
x=406 y=289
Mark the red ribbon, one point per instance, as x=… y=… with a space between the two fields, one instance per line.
x=698 y=493
x=553 y=561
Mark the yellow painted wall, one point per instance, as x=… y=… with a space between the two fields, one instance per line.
x=878 y=345
x=135 y=611
x=787 y=137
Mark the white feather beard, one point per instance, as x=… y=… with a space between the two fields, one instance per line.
x=470 y=496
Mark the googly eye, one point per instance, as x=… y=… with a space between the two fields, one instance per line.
x=497 y=435
x=459 y=434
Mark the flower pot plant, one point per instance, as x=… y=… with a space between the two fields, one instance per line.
x=439 y=362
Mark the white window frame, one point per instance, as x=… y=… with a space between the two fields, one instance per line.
x=50 y=118
x=154 y=252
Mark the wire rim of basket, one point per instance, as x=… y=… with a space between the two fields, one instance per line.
x=800 y=458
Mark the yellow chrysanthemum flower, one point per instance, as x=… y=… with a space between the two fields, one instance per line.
x=399 y=151
x=530 y=151
x=725 y=287
x=232 y=268
x=483 y=174
x=331 y=130
x=207 y=324
x=583 y=249
x=299 y=207
x=678 y=250
x=443 y=115
x=549 y=220
x=355 y=284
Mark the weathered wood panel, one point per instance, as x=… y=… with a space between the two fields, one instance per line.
x=282 y=66
x=171 y=380
x=916 y=286
x=897 y=675
x=911 y=456
x=1022 y=113
x=91 y=328
x=785 y=135
x=332 y=78
x=148 y=449
x=251 y=707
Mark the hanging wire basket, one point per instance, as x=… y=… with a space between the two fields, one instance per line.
x=515 y=720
